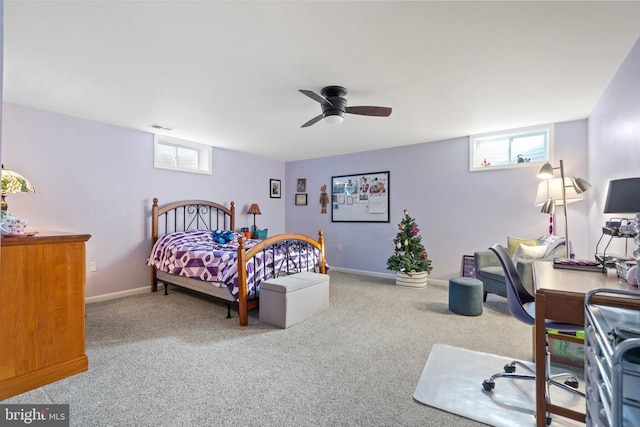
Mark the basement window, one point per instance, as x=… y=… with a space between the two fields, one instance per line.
x=181 y=155
x=511 y=148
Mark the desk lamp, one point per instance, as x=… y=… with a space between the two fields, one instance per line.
x=254 y=210
x=13 y=182
x=623 y=196
x=577 y=186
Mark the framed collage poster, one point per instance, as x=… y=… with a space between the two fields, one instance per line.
x=360 y=197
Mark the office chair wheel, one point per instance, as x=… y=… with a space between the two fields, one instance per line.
x=510 y=368
x=572 y=382
x=488 y=385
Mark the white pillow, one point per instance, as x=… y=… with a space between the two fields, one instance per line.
x=529 y=252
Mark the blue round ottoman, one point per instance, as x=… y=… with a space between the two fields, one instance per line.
x=465 y=296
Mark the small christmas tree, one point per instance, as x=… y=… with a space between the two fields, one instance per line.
x=409 y=254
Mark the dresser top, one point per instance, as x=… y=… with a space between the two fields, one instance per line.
x=44 y=236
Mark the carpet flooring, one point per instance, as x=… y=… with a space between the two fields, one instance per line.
x=452 y=380
x=176 y=360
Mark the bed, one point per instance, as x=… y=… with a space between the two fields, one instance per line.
x=194 y=245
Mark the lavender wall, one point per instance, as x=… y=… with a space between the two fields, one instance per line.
x=458 y=211
x=96 y=178
x=614 y=141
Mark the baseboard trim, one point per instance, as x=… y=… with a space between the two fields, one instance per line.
x=391 y=276
x=439 y=282
x=363 y=272
x=144 y=289
x=116 y=295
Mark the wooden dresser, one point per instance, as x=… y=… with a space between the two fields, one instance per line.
x=42 y=336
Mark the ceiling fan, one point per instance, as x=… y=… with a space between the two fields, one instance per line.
x=334 y=105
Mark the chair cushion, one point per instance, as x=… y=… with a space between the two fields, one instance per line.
x=530 y=308
x=495 y=273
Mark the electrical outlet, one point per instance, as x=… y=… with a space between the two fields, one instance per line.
x=93 y=266
x=339 y=248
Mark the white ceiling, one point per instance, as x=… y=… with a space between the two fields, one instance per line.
x=228 y=73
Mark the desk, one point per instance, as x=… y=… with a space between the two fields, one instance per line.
x=560 y=296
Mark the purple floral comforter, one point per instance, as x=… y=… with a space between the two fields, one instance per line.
x=194 y=254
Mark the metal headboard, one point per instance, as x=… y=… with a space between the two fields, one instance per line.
x=190 y=215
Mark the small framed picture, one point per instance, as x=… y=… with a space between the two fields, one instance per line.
x=275 y=188
x=468 y=266
x=301 y=199
x=301 y=186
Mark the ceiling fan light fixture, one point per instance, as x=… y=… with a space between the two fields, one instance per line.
x=333 y=119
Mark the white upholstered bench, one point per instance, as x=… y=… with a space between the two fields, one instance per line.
x=288 y=300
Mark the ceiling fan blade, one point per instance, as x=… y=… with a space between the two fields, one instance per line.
x=313 y=121
x=369 y=111
x=321 y=99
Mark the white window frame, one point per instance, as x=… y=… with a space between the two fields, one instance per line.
x=204 y=154
x=473 y=140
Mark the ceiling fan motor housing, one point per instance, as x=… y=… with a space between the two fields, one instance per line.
x=335 y=95
x=334 y=106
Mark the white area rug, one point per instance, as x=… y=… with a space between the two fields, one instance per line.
x=452 y=381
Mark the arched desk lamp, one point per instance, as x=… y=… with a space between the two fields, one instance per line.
x=576 y=186
x=552 y=189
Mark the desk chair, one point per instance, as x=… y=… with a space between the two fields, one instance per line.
x=522 y=306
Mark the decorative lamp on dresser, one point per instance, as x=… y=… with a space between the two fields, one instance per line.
x=42 y=316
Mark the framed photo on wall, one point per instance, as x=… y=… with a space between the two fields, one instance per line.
x=301 y=185
x=301 y=199
x=275 y=189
